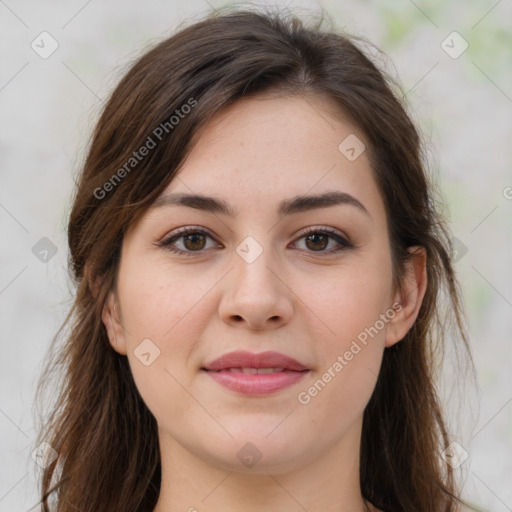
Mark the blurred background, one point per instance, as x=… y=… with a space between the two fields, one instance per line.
x=59 y=61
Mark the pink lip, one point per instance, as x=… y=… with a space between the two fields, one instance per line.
x=244 y=359
x=255 y=384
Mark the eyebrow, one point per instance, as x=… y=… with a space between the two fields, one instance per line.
x=295 y=204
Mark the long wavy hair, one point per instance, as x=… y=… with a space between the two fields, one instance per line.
x=104 y=436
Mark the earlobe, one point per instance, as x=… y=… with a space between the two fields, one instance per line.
x=113 y=324
x=410 y=296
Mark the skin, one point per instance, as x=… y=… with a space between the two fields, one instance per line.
x=295 y=298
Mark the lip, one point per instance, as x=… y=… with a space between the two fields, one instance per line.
x=244 y=359
x=291 y=372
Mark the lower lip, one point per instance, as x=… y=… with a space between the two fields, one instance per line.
x=256 y=384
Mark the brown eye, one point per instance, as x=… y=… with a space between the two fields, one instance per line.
x=318 y=241
x=194 y=241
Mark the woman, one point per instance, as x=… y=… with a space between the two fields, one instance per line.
x=259 y=266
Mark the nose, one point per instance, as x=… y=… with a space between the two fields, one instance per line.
x=256 y=295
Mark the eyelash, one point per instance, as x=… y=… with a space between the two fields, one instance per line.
x=167 y=242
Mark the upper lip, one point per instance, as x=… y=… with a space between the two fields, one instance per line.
x=244 y=359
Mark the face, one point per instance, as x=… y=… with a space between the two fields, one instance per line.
x=313 y=282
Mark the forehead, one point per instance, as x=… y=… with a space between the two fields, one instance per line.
x=262 y=150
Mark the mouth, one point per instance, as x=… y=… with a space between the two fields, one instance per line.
x=255 y=373
x=268 y=362
x=255 y=381
x=252 y=371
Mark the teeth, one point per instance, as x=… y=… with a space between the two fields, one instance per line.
x=270 y=370
x=254 y=371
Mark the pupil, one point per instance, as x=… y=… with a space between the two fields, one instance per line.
x=193 y=236
x=318 y=235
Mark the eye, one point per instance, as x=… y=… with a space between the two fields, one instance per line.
x=318 y=239
x=194 y=240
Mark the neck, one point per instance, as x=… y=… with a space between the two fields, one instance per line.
x=328 y=482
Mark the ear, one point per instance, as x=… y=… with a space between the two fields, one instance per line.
x=409 y=296
x=113 y=322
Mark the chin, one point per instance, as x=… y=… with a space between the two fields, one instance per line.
x=254 y=451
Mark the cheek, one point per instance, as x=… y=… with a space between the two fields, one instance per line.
x=168 y=308
x=336 y=398
x=352 y=310
x=156 y=300
x=351 y=352
x=350 y=301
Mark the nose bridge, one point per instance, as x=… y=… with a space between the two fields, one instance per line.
x=254 y=263
x=256 y=293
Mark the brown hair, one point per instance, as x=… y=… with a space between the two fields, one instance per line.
x=104 y=435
